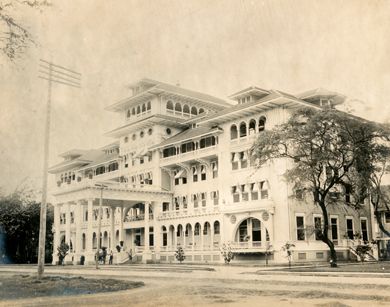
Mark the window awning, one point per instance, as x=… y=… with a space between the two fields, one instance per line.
x=194 y=170
x=236 y=157
x=140 y=153
x=215 y=166
x=203 y=169
x=182 y=173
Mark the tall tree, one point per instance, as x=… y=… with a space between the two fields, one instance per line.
x=331 y=154
x=19 y=229
x=15 y=37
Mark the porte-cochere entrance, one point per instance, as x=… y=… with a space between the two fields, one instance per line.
x=251 y=237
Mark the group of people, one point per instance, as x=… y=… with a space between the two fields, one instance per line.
x=102 y=256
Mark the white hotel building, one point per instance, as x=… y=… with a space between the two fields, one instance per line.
x=179 y=173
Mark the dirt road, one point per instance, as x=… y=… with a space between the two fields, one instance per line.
x=228 y=286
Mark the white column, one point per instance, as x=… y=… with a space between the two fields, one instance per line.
x=90 y=229
x=212 y=236
x=174 y=238
x=201 y=237
x=121 y=237
x=79 y=220
x=146 y=226
x=184 y=236
x=112 y=228
x=67 y=225
x=57 y=231
x=193 y=237
x=156 y=227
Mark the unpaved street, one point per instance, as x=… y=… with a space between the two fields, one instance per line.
x=184 y=285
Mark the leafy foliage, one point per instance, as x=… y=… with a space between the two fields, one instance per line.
x=227 y=253
x=15 y=37
x=330 y=154
x=179 y=254
x=19 y=229
x=287 y=247
x=62 y=251
x=363 y=251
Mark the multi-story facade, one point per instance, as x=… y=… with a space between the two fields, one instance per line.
x=179 y=174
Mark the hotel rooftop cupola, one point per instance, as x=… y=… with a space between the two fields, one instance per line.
x=322 y=97
x=249 y=94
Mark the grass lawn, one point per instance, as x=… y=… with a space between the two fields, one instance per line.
x=365 y=267
x=25 y=286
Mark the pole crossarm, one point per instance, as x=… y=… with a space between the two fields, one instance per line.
x=59 y=74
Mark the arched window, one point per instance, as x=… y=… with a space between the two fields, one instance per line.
x=138 y=110
x=179 y=230
x=201 y=110
x=186 y=109
x=100 y=170
x=126 y=139
x=188 y=230
x=194 y=111
x=169 y=105
x=233 y=132
x=197 y=229
x=242 y=130
x=128 y=113
x=216 y=228
x=262 y=121
x=113 y=167
x=133 y=111
x=94 y=240
x=143 y=108
x=177 y=107
x=148 y=105
x=252 y=126
x=206 y=228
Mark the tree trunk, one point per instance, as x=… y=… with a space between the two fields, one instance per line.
x=325 y=238
x=380 y=223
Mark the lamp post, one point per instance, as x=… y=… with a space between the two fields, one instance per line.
x=101 y=186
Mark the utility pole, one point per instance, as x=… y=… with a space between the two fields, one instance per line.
x=58 y=74
x=101 y=186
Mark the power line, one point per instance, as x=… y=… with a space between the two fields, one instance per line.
x=58 y=74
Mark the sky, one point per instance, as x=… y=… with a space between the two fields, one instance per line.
x=214 y=46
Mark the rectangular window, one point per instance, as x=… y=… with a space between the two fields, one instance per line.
x=363 y=225
x=387 y=217
x=235 y=160
x=349 y=223
x=300 y=228
x=244 y=159
x=165 y=207
x=254 y=192
x=334 y=229
x=203 y=195
x=236 y=195
x=184 y=180
x=194 y=174
x=176 y=181
x=141 y=160
x=195 y=200
x=317 y=227
x=264 y=189
x=348 y=191
x=214 y=167
x=177 y=204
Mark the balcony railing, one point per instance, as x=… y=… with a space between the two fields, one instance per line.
x=198 y=153
x=246 y=245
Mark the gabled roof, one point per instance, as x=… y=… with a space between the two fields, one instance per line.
x=157 y=88
x=89 y=158
x=321 y=92
x=145 y=122
x=187 y=135
x=252 y=90
x=274 y=99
